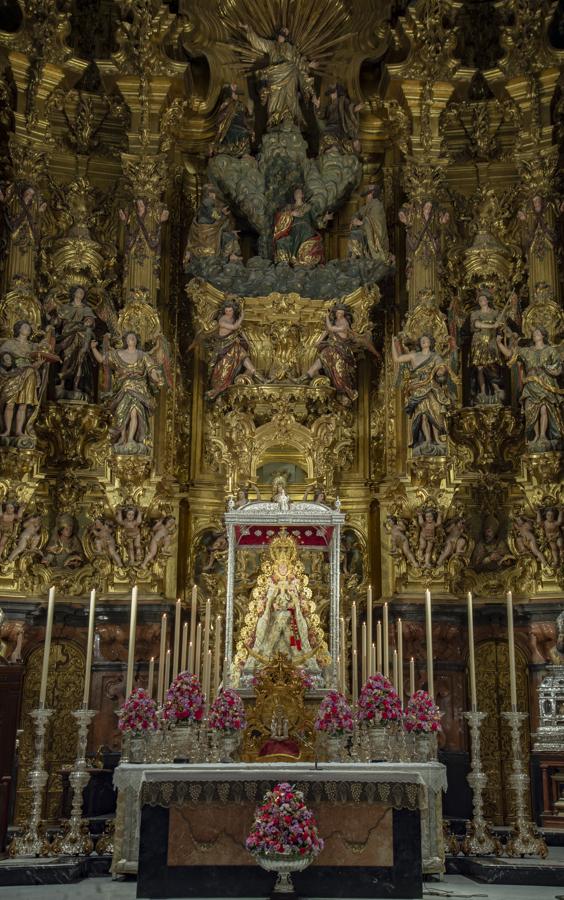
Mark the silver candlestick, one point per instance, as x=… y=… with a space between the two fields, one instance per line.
x=479 y=840
x=31 y=843
x=524 y=839
x=76 y=839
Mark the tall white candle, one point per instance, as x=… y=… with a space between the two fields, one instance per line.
x=343 y=655
x=131 y=648
x=198 y=652
x=471 y=657
x=162 y=654
x=167 y=672
x=89 y=649
x=364 y=653
x=379 y=646
x=47 y=647
x=207 y=676
x=399 y=639
x=429 y=634
x=411 y=676
x=339 y=675
x=373 y=658
x=151 y=677
x=511 y=647
x=395 y=669
x=354 y=676
x=354 y=647
x=369 y=635
x=193 y=618
x=184 y=651
x=385 y=642
x=176 y=645
x=217 y=656
x=207 y=623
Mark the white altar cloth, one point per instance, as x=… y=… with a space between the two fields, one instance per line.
x=130 y=778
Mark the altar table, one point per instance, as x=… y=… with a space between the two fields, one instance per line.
x=403 y=799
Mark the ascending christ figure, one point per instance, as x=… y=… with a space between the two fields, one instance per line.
x=281 y=616
x=287 y=76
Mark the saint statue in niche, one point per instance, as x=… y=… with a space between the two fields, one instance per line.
x=282 y=617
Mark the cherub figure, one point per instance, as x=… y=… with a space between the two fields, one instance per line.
x=525 y=538
x=161 y=536
x=30 y=536
x=218 y=545
x=551 y=523
x=399 y=540
x=456 y=540
x=429 y=520
x=242 y=497
x=104 y=541
x=130 y=519
x=10 y=516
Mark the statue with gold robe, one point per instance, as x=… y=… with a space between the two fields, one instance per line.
x=368 y=236
x=285 y=79
x=282 y=617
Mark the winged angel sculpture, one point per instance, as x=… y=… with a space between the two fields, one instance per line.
x=265 y=152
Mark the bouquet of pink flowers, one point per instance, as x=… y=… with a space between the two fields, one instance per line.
x=184 y=699
x=334 y=715
x=422 y=713
x=307 y=678
x=138 y=713
x=379 y=702
x=227 y=712
x=284 y=826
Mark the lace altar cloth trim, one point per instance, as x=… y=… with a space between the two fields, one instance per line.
x=399 y=794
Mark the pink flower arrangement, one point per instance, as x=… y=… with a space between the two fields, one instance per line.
x=422 y=713
x=184 y=699
x=379 y=702
x=138 y=713
x=307 y=678
x=284 y=826
x=227 y=712
x=334 y=715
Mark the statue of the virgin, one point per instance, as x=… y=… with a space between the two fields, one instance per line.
x=281 y=617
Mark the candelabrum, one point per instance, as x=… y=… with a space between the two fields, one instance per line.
x=524 y=839
x=479 y=840
x=76 y=839
x=32 y=843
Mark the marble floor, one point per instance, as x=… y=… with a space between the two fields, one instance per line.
x=455 y=887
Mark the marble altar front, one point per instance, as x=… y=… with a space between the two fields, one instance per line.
x=381 y=792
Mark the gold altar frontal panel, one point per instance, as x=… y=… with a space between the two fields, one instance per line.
x=214 y=834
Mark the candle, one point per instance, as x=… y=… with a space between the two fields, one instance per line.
x=354 y=676
x=151 y=677
x=167 y=673
x=131 y=648
x=411 y=676
x=162 y=651
x=471 y=658
x=193 y=616
x=353 y=628
x=207 y=676
x=184 y=652
x=343 y=656
x=176 y=645
x=217 y=657
x=207 y=623
x=339 y=676
x=385 y=641
x=429 y=632
x=364 y=657
x=399 y=640
x=47 y=647
x=89 y=649
x=198 y=653
x=395 y=669
x=369 y=635
x=373 y=659
x=379 y=646
x=511 y=647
